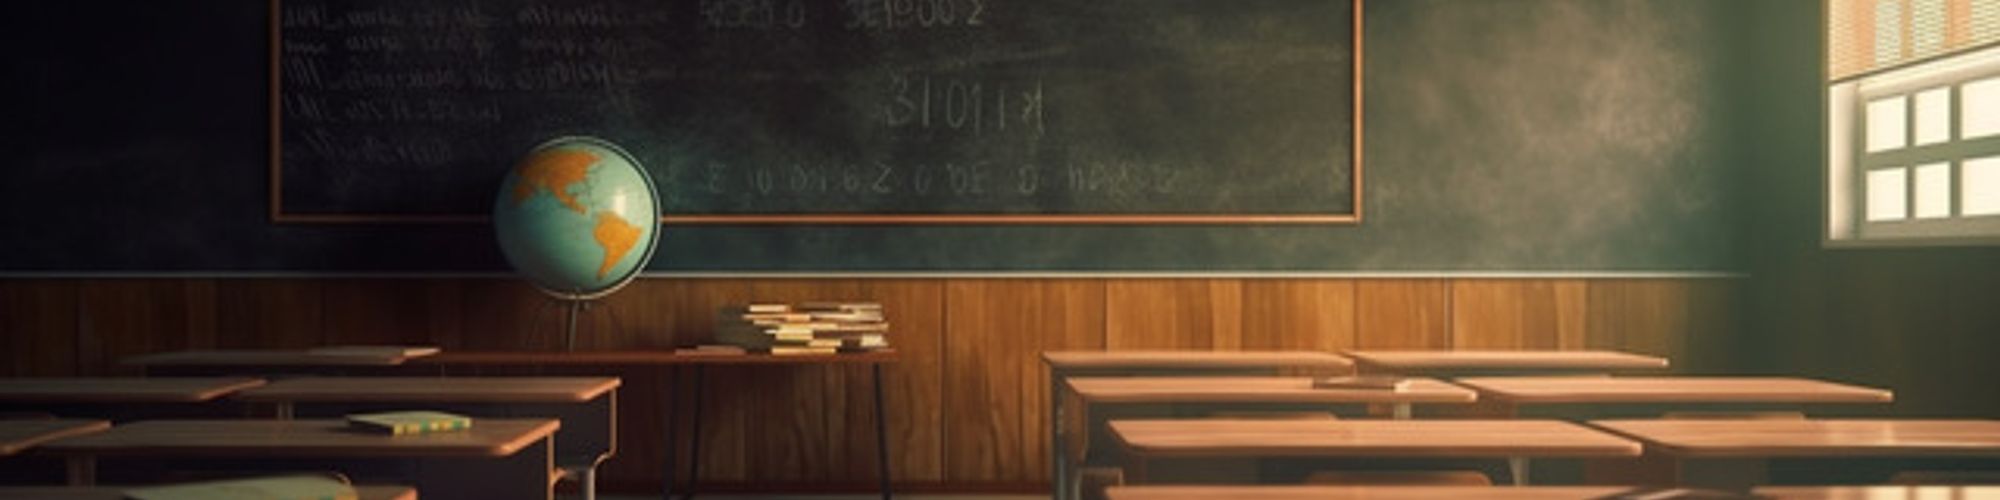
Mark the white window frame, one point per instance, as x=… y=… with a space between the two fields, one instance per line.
x=1848 y=163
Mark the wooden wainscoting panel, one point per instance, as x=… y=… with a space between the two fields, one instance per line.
x=1516 y=313
x=507 y=315
x=1402 y=314
x=912 y=394
x=393 y=311
x=1171 y=313
x=1656 y=316
x=1298 y=314
x=270 y=313
x=120 y=318
x=995 y=394
x=38 y=320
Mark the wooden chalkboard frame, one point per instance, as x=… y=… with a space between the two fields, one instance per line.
x=280 y=216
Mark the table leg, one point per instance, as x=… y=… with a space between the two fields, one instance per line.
x=672 y=404
x=694 y=440
x=1518 y=468
x=82 y=470
x=1058 y=449
x=285 y=410
x=881 y=433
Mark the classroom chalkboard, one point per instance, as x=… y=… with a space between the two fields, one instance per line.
x=804 y=111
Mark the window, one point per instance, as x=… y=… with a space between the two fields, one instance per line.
x=1913 y=122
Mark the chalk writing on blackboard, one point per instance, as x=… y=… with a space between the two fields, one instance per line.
x=862 y=111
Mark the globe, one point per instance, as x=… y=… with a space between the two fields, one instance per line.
x=578 y=217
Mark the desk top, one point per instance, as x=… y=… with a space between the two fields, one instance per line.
x=488 y=437
x=1368 y=438
x=1142 y=360
x=1672 y=390
x=17 y=435
x=1878 y=492
x=1255 y=390
x=118 y=493
x=1408 y=361
x=264 y=358
x=121 y=389
x=1291 y=492
x=663 y=357
x=1813 y=438
x=434 y=389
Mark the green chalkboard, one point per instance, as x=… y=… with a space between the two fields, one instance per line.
x=749 y=111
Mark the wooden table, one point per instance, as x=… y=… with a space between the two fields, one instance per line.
x=1507 y=393
x=260 y=362
x=1065 y=364
x=1515 y=440
x=1879 y=492
x=1362 y=492
x=496 y=458
x=699 y=364
x=17 y=435
x=1256 y=390
x=121 y=390
x=587 y=405
x=1463 y=361
x=118 y=493
x=1726 y=444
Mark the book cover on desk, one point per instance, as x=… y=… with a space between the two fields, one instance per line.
x=1374 y=382
x=303 y=487
x=404 y=351
x=400 y=423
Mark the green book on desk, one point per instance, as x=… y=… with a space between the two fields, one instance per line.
x=398 y=423
x=304 y=487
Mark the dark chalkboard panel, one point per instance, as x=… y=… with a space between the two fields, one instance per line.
x=819 y=111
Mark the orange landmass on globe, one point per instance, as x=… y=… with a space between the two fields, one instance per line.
x=617 y=237
x=555 y=171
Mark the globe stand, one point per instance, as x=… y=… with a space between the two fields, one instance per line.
x=570 y=313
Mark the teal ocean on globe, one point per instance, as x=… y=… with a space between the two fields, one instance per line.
x=578 y=217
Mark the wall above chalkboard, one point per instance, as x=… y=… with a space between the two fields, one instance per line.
x=800 y=111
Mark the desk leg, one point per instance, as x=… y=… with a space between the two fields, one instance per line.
x=82 y=470
x=694 y=440
x=1518 y=468
x=1058 y=449
x=881 y=433
x=285 y=410
x=672 y=404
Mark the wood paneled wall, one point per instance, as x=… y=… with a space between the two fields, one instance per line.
x=966 y=405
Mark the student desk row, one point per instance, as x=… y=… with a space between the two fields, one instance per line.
x=300 y=362
x=1705 y=453
x=1538 y=492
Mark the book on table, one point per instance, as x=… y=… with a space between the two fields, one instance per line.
x=300 y=487
x=399 y=423
x=1375 y=382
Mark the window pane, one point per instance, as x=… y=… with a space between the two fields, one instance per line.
x=1933 y=116
x=1979 y=108
x=1887 y=194
x=1934 y=190
x=1979 y=189
x=1887 y=124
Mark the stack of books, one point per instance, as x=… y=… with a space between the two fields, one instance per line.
x=402 y=423
x=805 y=328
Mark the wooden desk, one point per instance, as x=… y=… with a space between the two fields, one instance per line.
x=120 y=390
x=1362 y=492
x=1530 y=390
x=589 y=405
x=1879 y=492
x=1515 y=440
x=1260 y=390
x=1727 y=444
x=1065 y=364
x=1415 y=362
x=17 y=435
x=118 y=493
x=496 y=458
x=260 y=362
